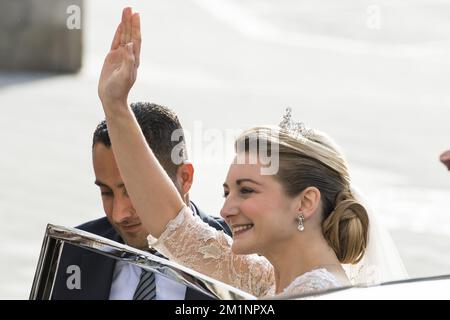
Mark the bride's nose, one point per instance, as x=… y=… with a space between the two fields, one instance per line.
x=230 y=208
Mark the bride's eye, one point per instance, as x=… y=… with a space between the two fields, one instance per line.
x=225 y=194
x=246 y=190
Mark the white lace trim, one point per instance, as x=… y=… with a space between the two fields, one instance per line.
x=170 y=227
x=309 y=282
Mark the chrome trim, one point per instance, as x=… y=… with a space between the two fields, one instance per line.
x=56 y=236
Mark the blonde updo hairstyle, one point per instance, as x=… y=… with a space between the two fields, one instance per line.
x=315 y=161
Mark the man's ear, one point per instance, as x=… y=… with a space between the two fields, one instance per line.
x=185 y=177
x=309 y=202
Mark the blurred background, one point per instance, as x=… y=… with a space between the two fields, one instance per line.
x=373 y=74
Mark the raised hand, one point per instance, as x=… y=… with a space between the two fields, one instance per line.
x=119 y=70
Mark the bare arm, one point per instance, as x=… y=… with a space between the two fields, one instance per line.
x=152 y=192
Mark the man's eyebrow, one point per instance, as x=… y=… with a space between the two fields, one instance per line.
x=101 y=184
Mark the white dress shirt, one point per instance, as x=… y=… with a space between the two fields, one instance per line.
x=126 y=278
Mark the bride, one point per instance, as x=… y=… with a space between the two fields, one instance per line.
x=292 y=230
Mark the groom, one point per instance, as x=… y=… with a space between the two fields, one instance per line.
x=105 y=278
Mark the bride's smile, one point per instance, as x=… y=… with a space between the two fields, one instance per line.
x=240 y=229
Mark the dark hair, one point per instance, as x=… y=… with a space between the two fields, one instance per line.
x=157 y=124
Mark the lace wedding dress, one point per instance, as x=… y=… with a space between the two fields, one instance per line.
x=191 y=242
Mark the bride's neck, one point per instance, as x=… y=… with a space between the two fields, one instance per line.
x=297 y=256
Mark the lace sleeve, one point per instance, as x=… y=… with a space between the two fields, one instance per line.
x=193 y=243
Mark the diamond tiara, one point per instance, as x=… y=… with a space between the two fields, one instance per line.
x=293 y=128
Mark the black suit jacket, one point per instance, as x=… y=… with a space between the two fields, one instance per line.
x=97 y=270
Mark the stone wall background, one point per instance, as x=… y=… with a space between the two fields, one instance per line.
x=34 y=36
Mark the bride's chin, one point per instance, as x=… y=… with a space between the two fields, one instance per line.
x=240 y=248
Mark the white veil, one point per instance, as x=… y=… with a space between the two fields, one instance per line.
x=381 y=261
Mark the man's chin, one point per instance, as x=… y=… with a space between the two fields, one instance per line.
x=136 y=240
x=137 y=244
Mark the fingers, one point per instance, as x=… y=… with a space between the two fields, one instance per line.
x=128 y=35
x=130 y=61
x=126 y=26
x=128 y=15
x=122 y=23
x=116 y=40
x=136 y=37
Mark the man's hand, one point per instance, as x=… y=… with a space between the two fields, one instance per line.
x=120 y=67
x=445 y=159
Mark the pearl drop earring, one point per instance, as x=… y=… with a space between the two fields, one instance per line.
x=300 y=220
